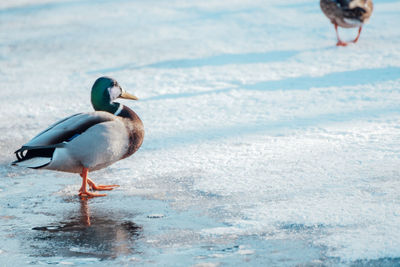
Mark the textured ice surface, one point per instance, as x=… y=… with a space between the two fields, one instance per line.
x=265 y=143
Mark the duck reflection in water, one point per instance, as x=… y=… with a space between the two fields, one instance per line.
x=88 y=234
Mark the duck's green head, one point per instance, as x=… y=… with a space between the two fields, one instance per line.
x=104 y=91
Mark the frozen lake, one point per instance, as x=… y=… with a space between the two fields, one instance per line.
x=266 y=145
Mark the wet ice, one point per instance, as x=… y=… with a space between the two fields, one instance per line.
x=264 y=144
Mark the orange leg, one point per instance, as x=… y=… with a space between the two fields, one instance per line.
x=340 y=42
x=358 y=36
x=83 y=190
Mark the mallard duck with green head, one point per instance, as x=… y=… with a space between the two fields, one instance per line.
x=87 y=142
x=347 y=14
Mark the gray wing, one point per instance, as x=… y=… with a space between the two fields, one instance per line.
x=64 y=131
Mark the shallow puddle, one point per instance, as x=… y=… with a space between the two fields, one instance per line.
x=86 y=235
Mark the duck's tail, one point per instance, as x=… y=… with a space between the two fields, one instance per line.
x=34 y=157
x=361 y=9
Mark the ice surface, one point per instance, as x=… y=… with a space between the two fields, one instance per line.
x=265 y=143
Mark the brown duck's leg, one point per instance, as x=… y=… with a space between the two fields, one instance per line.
x=83 y=190
x=340 y=42
x=358 y=36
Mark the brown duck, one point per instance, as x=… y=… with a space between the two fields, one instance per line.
x=347 y=14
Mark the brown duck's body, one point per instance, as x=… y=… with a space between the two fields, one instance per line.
x=347 y=14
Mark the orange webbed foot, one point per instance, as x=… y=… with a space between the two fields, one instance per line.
x=101 y=187
x=341 y=43
x=85 y=193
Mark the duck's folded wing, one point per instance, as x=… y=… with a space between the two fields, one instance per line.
x=61 y=132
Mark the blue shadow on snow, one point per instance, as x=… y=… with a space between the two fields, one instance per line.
x=269 y=127
x=217 y=60
x=346 y=78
